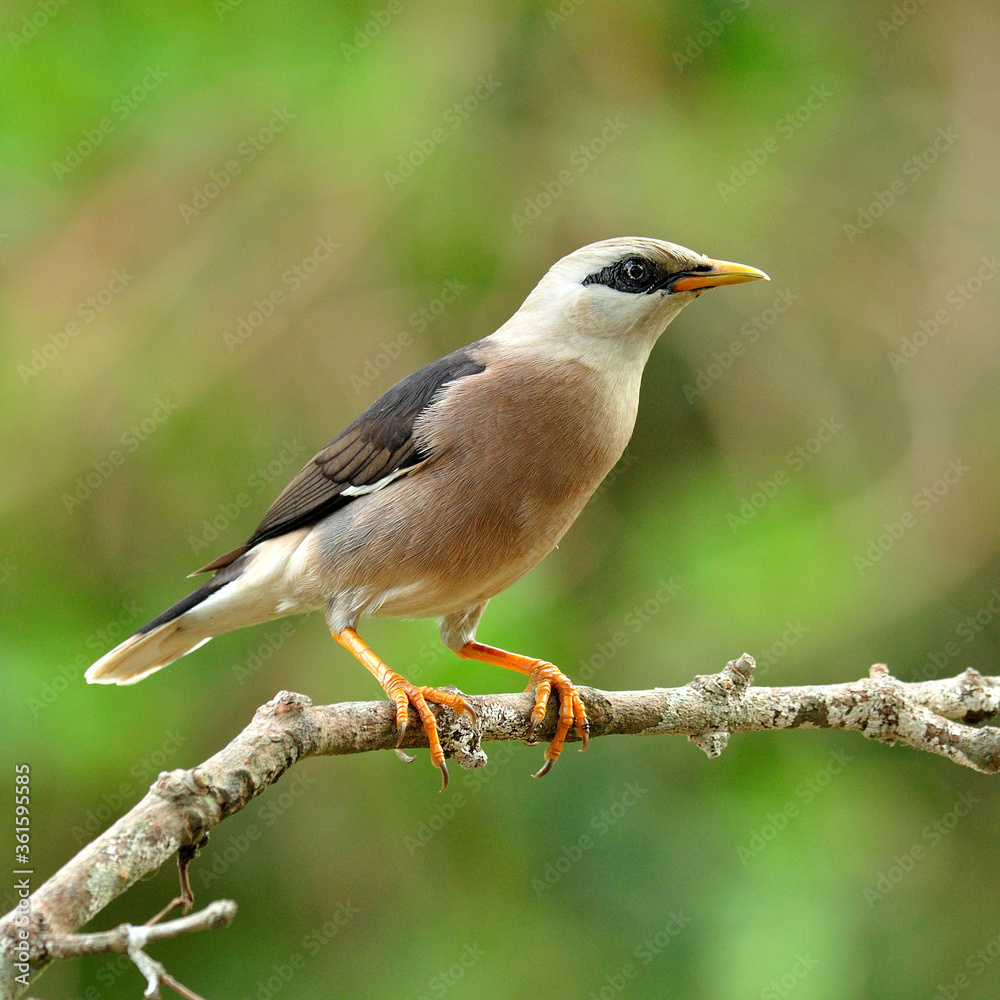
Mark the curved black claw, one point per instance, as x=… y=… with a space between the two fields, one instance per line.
x=444 y=776
x=543 y=770
x=404 y=757
x=585 y=736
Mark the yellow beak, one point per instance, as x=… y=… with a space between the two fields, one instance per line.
x=723 y=272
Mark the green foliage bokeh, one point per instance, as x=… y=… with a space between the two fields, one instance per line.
x=166 y=169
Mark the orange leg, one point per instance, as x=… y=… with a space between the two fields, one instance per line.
x=404 y=694
x=544 y=677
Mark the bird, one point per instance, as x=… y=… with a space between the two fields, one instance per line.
x=453 y=484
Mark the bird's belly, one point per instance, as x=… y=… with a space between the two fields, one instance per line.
x=424 y=558
x=449 y=590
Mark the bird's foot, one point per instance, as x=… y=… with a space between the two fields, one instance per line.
x=404 y=694
x=546 y=678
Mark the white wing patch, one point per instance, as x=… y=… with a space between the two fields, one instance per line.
x=360 y=491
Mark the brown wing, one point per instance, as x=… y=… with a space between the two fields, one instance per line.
x=377 y=448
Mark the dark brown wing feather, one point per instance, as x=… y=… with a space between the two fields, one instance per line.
x=379 y=443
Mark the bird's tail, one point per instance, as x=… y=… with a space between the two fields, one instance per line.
x=144 y=653
x=164 y=639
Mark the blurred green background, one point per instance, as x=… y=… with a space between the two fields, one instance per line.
x=166 y=169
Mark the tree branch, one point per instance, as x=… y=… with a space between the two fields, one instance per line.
x=130 y=940
x=181 y=807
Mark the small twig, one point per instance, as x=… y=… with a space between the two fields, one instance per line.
x=156 y=974
x=131 y=940
x=126 y=936
x=185 y=855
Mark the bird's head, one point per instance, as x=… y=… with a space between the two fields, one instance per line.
x=627 y=290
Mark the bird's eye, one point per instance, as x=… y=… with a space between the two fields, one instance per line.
x=636 y=271
x=634 y=275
